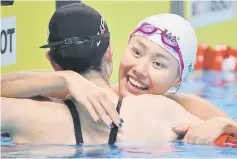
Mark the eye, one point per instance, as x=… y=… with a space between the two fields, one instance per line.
x=158 y=65
x=136 y=53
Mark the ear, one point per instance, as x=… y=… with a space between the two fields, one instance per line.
x=55 y=66
x=109 y=52
x=177 y=82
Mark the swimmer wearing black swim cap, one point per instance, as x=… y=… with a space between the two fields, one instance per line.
x=85 y=41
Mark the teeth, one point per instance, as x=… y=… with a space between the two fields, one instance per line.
x=137 y=84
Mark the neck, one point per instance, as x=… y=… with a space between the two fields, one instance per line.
x=97 y=132
x=98 y=79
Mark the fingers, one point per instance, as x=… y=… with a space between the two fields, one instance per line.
x=230 y=131
x=101 y=112
x=191 y=139
x=99 y=107
x=194 y=140
x=106 y=111
x=111 y=111
x=203 y=140
x=90 y=109
x=107 y=121
x=209 y=131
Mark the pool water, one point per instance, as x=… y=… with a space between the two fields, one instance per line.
x=212 y=86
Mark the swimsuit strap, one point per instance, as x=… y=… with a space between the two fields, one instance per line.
x=114 y=130
x=76 y=120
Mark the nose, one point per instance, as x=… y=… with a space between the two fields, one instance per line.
x=141 y=70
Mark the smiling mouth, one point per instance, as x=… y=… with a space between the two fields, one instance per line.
x=137 y=84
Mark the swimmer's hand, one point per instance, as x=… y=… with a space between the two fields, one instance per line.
x=208 y=131
x=92 y=97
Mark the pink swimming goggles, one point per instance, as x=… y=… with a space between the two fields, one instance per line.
x=166 y=38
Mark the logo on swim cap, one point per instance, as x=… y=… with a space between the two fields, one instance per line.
x=190 y=67
x=102 y=30
x=170 y=39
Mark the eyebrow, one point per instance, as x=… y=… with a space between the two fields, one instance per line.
x=141 y=43
x=161 y=56
x=156 y=54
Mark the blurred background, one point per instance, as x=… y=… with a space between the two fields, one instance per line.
x=24 y=28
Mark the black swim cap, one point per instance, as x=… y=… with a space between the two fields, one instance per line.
x=78 y=37
x=7 y=2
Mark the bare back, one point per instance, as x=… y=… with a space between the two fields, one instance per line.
x=37 y=121
x=49 y=121
x=150 y=118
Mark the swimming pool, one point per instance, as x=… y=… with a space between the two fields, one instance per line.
x=210 y=85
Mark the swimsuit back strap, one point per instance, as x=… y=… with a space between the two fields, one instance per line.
x=114 y=130
x=76 y=121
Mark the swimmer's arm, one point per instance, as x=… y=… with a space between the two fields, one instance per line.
x=197 y=106
x=6 y=126
x=12 y=116
x=30 y=84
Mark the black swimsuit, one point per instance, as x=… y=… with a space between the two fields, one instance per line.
x=77 y=123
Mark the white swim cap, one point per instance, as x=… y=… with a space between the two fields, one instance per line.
x=184 y=33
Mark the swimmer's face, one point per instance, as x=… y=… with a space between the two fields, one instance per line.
x=147 y=68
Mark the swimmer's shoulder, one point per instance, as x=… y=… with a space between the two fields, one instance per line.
x=39 y=106
x=25 y=110
x=159 y=106
x=150 y=99
x=153 y=103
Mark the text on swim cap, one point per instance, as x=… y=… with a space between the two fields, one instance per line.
x=102 y=30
